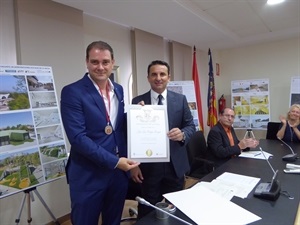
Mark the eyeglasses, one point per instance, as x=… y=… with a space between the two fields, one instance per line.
x=229 y=116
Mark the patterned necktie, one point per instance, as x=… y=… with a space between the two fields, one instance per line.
x=160 y=97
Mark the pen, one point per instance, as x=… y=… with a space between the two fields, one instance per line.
x=257 y=154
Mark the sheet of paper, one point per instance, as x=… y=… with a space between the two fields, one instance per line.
x=222 y=191
x=228 y=185
x=236 y=189
x=255 y=155
x=239 y=179
x=205 y=207
x=147 y=133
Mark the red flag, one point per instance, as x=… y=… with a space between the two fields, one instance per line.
x=197 y=91
x=211 y=96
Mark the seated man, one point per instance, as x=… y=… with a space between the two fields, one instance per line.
x=222 y=141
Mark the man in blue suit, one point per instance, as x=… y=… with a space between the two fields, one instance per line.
x=159 y=178
x=93 y=116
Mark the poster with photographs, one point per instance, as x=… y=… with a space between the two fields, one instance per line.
x=250 y=100
x=32 y=143
x=187 y=88
x=295 y=90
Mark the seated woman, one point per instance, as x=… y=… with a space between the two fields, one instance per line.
x=289 y=129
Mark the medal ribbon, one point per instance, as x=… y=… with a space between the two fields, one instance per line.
x=108 y=98
x=107 y=111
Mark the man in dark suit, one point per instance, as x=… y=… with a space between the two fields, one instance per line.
x=159 y=178
x=93 y=116
x=222 y=141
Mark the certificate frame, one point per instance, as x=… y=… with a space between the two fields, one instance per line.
x=147 y=128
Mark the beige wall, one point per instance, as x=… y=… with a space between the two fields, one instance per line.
x=147 y=47
x=181 y=61
x=277 y=61
x=8 y=54
x=58 y=36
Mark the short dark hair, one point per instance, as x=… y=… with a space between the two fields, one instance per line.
x=99 y=45
x=158 y=62
x=223 y=110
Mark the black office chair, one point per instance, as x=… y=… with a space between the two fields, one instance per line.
x=197 y=154
x=272 y=130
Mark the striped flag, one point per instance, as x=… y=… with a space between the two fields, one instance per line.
x=211 y=96
x=197 y=91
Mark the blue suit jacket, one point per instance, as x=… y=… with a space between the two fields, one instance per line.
x=179 y=115
x=93 y=156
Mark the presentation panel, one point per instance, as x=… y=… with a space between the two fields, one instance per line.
x=295 y=90
x=250 y=100
x=187 y=88
x=32 y=143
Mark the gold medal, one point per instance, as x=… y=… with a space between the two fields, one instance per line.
x=108 y=129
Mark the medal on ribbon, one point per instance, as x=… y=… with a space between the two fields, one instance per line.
x=108 y=129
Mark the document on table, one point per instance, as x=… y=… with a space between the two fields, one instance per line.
x=222 y=191
x=147 y=128
x=240 y=185
x=255 y=155
x=228 y=185
x=208 y=208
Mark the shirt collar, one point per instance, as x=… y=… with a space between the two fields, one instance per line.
x=227 y=129
x=154 y=95
x=111 y=86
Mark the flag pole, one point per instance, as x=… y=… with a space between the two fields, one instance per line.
x=197 y=91
x=211 y=95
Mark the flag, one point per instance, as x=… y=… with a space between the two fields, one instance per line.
x=211 y=96
x=197 y=91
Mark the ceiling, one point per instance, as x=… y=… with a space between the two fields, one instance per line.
x=216 y=24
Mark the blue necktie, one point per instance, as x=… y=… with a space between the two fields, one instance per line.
x=160 y=97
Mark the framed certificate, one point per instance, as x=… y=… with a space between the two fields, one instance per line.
x=147 y=128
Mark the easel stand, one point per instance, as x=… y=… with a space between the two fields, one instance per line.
x=249 y=134
x=29 y=195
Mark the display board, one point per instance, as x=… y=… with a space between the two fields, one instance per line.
x=187 y=88
x=32 y=143
x=295 y=90
x=250 y=100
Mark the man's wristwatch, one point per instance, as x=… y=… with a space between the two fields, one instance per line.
x=183 y=137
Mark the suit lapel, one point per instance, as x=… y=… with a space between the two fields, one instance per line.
x=90 y=88
x=120 y=105
x=224 y=134
x=147 y=98
x=171 y=103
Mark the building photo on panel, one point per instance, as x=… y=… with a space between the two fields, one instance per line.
x=32 y=143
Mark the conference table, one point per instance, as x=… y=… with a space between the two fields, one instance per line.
x=283 y=211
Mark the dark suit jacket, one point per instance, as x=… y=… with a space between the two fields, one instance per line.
x=179 y=115
x=92 y=157
x=219 y=146
x=288 y=134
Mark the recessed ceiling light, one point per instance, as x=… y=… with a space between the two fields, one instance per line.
x=273 y=2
